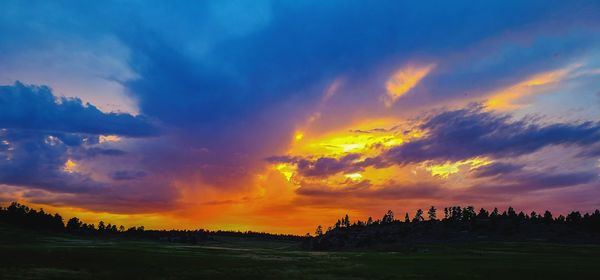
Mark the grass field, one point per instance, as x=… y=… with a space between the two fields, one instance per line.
x=26 y=255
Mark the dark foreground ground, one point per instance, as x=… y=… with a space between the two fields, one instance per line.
x=28 y=255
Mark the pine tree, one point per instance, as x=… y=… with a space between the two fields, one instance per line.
x=418 y=216
x=431 y=214
x=319 y=230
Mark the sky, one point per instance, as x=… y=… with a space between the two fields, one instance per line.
x=281 y=115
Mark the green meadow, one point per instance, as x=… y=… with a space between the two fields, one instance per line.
x=29 y=255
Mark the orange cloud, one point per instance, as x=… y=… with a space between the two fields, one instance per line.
x=109 y=138
x=507 y=98
x=403 y=80
x=70 y=166
x=448 y=168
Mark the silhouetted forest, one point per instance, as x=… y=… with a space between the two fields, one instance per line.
x=22 y=216
x=457 y=224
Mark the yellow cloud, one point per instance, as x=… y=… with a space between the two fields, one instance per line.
x=109 y=138
x=403 y=80
x=286 y=169
x=354 y=176
x=446 y=169
x=367 y=138
x=70 y=166
x=354 y=138
x=505 y=99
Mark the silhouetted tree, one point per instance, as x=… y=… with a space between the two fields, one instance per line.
x=431 y=214
x=461 y=222
x=388 y=217
x=521 y=217
x=483 y=214
x=346 y=221
x=101 y=226
x=511 y=213
x=455 y=213
x=466 y=224
x=494 y=213
x=547 y=217
x=74 y=225
x=319 y=230
x=533 y=216
x=418 y=216
x=574 y=218
x=468 y=213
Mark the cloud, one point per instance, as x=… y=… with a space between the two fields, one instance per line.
x=495 y=169
x=403 y=81
x=366 y=190
x=544 y=180
x=33 y=160
x=506 y=99
x=95 y=151
x=459 y=135
x=470 y=132
x=45 y=139
x=524 y=182
x=242 y=96
x=326 y=166
x=37 y=108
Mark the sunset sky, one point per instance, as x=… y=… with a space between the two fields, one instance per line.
x=281 y=115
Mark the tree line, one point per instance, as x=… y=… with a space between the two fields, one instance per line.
x=450 y=224
x=458 y=223
x=20 y=215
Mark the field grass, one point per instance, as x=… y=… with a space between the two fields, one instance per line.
x=27 y=255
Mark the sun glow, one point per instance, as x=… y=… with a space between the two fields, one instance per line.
x=298 y=136
x=287 y=170
x=354 y=176
x=368 y=138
